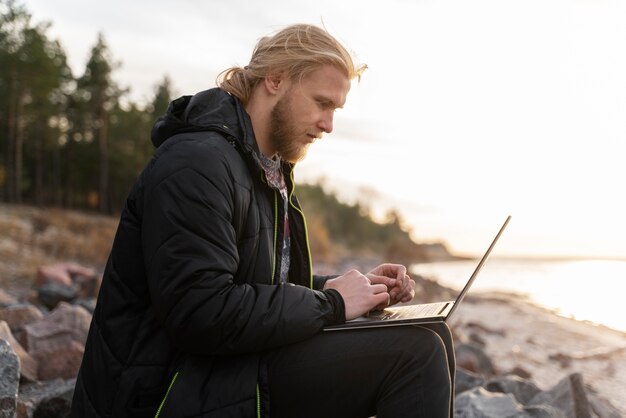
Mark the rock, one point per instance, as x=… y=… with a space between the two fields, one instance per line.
x=89 y=304
x=57 y=341
x=64 y=273
x=9 y=381
x=28 y=365
x=7 y=300
x=62 y=362
x=18 y=316
x=522 y=390
x=479 y=403
x=88 y=286
x=66 y=323
x=602 y=407
x=65 y=281
x=564 y=360
x=520 y=372
x=569 y=396
x=473 y=358
x=51 y=294
x=540 y=411
x=477 y=339
x=46 y=399
x=466 y=380
x=485 y=330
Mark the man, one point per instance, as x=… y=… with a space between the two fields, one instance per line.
x=208 y=306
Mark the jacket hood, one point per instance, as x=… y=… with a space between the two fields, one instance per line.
x=209 y=110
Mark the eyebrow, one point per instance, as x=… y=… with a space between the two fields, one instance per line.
x=328 y=102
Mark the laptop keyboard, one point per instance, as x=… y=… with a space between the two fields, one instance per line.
x=414 y=311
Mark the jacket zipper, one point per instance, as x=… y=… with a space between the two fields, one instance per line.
x=165 y=397
x=275 y=235
x=308 y=249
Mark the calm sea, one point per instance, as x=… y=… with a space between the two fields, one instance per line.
x=587 y=290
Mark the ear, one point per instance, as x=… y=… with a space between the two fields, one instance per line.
x=274 y=83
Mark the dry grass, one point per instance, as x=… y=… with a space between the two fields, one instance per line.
x=31 y=237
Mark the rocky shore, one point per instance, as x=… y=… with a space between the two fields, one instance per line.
x=534 y=363
x=514 y=359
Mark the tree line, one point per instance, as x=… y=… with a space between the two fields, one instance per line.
x=68 y=140
x=336 y=227
x=75 y=141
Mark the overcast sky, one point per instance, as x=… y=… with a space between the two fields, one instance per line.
x=469 y=111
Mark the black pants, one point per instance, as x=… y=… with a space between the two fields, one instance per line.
x=405 y=371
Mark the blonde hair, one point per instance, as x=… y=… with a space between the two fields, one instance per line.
x=295 y=51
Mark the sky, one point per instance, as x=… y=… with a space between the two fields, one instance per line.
x=468 y=112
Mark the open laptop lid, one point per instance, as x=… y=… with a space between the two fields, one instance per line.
x=406 y=315
x=469 y=283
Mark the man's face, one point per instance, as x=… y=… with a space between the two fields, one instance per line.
x=305 y=111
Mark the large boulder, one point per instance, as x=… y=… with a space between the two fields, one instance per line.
x=480 y=403
x=28 y=365
x=466 y=380
x=575 y=399
x=9 y=381
x=57 y=341
x=18 y=316
x=66 y=323
x=568 y=395
x=472 y=357
x=522 y=390
x=62 y=362
x=49 y=399
x=513 y=397
x=66 y=282
x=52 y=293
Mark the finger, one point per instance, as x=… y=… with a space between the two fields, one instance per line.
x=397 y=270
x=380 y=301
x=406 y=282
x=403 y=295
x=409 y=296
x=375 y=279
x=401 y=272
x=410 y=292
x=379 y=288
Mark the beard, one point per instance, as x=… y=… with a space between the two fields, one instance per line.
x=284 y=133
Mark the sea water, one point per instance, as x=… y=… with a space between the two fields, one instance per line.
x=587 y=290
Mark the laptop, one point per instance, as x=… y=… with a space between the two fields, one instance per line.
x=425 y=313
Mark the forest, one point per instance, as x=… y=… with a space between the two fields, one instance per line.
x=68 y=140
x=77 y=141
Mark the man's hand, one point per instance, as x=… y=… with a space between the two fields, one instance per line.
x=358 y=293
x=400 y=286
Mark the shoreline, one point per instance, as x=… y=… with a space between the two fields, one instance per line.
x=518 y=333
x=522 y=298
x=563 y=287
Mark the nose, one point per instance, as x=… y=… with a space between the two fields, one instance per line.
x=326 y=122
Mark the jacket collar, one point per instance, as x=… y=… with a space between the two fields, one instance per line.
x=211 y=110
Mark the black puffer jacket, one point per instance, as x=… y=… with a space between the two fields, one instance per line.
x=188 y=299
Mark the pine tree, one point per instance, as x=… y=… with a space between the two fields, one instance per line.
x=95 y=97
x=33 y=78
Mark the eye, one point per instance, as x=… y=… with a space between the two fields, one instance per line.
x=326 y=105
